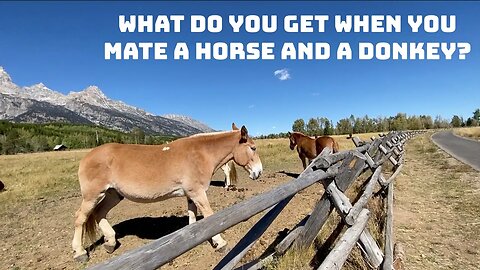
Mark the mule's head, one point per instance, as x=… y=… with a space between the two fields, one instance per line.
x=293 y=142
x=245 y=154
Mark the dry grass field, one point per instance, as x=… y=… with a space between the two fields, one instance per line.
x=468 y=132
x=42 y=195
x=437 y=210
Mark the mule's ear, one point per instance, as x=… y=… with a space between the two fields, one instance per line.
x=244 y=134
x=289 y=134
x=234 y=127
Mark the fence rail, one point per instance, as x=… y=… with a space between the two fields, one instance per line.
x=336 y=172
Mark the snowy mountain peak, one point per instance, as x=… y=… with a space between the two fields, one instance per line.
x=91 y=95
x=2 y=71
x=38 y=103
x=93 y=89
x=41 y=92
x=6 y=84
x=189 y=121
x=4 y=77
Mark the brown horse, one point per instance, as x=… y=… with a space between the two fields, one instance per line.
x=309 y=148
x=150 y=173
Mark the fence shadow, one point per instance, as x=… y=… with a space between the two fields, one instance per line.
x=271 y=248
x=294 y=175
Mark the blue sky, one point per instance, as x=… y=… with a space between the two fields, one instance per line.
x=62 y=45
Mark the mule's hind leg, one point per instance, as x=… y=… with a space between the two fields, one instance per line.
x=112 y=198
x=201 y=201
x=81 y=216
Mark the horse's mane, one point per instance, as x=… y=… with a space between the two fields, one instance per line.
x=296 y=134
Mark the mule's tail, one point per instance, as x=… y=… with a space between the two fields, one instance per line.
x=335 y=146
x=90 y=228
x=232 y=173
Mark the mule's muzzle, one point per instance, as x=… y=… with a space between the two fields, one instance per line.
x=256 y=171
x=255 y=175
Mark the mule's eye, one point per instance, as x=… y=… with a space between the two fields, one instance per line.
x=253 y=148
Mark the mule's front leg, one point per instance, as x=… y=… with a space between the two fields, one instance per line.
x=201 y=201
x=192 y=211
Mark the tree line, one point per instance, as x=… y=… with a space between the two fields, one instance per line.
x=353 y=125
x=27 y=138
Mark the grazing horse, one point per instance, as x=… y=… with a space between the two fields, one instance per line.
x=310 y=148
x=151 y=173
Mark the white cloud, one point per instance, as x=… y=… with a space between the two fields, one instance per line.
x=282 y=74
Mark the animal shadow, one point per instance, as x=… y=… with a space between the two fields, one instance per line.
x=150 y=228
x=217 y=183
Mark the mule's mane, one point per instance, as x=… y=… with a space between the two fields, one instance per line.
x=212 y=133
x=212 y=136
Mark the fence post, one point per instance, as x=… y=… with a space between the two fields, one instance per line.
x=339 y=254
x=348 y=172
x=388 y=260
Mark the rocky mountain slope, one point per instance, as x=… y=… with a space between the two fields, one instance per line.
x=40 y=104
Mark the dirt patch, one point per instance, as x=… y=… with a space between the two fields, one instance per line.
x=436 y=209
x=38 y=235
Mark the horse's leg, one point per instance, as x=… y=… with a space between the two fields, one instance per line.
x=111 y=199
x=304 y=161
x=81 y=216
x=192 y=211
x=201 y=201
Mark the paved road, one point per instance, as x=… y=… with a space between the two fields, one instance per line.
x=467 y=151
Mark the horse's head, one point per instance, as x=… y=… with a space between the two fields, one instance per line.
x=293 y=142
x=245 y=154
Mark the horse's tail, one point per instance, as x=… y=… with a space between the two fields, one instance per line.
x=335 y=146
x=232 y=173
x=90 y=227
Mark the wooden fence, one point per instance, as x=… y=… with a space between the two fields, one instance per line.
x=336 y=172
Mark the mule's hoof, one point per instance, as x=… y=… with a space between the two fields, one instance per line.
x=220 y=246
x=109 y=248
x=82 y=258
x=222 y=250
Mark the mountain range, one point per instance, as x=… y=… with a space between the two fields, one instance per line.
x=40 y=104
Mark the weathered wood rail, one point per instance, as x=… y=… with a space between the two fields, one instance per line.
x=336 y=172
